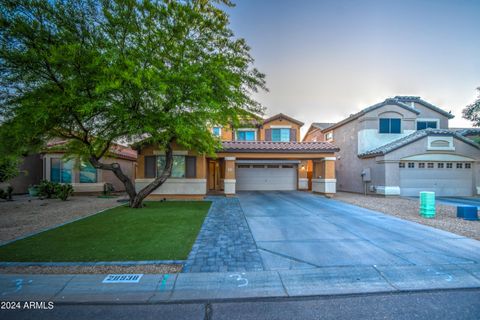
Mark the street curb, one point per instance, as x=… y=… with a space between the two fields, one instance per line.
x=221 y=286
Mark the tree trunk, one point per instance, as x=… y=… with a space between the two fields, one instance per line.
x=136 y=199
x=167 y=171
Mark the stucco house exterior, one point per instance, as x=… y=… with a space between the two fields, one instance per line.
x=52 y=166
x=402 y=146
x=262 y=155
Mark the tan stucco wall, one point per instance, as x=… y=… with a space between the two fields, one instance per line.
x=279 y=122
x=201 y=169
x=31 y=173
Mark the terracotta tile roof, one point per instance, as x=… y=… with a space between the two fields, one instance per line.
x=117 y=150
x=417 y=135
x=280 y=147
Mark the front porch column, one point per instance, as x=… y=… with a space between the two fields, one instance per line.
x=323 y=180
x=229 y=181
x=302 y=175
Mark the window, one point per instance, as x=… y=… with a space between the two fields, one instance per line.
x=426 y=124
x=459 y=165
x=440 y=165
x=88 y=174
x=217 y=131
x=390 y=125
x=273 y=166
x=411 y=164
x=258 y=166
x=287 y=166
x=246 y=135
x=430 y=165
x=282 y=134
x=329 y=136
x=401 y=165
x=449 y=165
x=243 y=166
x=61 y=171
x=468 y=165
x=421 y=165
x=178 y=168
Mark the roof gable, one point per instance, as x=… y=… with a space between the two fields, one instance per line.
x=399 y=143
x=283 y=116
x=406 y=99
x=389 y=101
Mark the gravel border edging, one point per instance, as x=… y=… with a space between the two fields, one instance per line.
x=99 y=263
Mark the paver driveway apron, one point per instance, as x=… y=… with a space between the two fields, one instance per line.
x=298 y=230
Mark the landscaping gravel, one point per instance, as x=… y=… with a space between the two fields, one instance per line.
x=146 y=269
x=27 y=215
x=407 y=209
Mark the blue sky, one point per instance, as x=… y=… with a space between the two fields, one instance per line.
x=325 y=60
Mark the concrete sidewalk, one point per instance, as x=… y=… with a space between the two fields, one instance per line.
x=222 y=286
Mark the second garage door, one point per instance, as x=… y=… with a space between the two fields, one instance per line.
x=445 y=179
x=266 y=177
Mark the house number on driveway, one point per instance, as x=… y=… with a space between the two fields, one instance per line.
x=240 y=278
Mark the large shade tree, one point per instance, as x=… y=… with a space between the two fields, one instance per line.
x=472 y=111
x=99 y=72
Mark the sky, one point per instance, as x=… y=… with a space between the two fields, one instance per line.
x=325 y=60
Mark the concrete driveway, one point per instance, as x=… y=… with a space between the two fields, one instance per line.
x=299 y=230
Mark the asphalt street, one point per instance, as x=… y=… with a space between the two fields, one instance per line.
x=445 y=304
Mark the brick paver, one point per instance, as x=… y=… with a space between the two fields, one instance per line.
x=225 y=242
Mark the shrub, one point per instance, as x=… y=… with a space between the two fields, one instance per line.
x=63 y=191
x=108 y=189
x=47 y=188
x=6 y=195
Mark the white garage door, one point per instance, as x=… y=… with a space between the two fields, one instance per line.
x=266 y=177
x=444 y=178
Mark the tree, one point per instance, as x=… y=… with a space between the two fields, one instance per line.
x=97 y=72
x=472 y=111
x=8 y=168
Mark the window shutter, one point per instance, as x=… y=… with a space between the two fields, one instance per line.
x=268 y=134
x=191 y=167
x=150 y=166
x=293 y=135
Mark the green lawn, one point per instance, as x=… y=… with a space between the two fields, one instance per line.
x=160 y=231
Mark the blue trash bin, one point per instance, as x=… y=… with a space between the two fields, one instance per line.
x=467 y=213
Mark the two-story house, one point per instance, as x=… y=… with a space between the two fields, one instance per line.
x=402 y=146
x=261 y=155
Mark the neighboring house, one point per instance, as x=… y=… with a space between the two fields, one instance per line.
x=50 y=165
x=315 y=132
x=402 y=146
x=262 y=155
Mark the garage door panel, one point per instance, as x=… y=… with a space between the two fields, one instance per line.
x=444 y=182
x=250 y=179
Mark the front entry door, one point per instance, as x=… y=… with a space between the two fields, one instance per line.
x=211 y=175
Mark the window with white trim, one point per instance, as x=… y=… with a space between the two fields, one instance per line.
x=426 y=124
x=401 y=165
x=421 y=165
x=217 y=131
x=459 y=165
x=411 y=164
x=430 y=165
x=468 y=165
x=440 y=165
x=449 y=165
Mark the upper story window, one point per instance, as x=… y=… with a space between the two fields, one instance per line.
x=329 y=136
x=390 y=125
x=426 y=124
x=281 y=134
x=246 y=135
x=217 y=131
